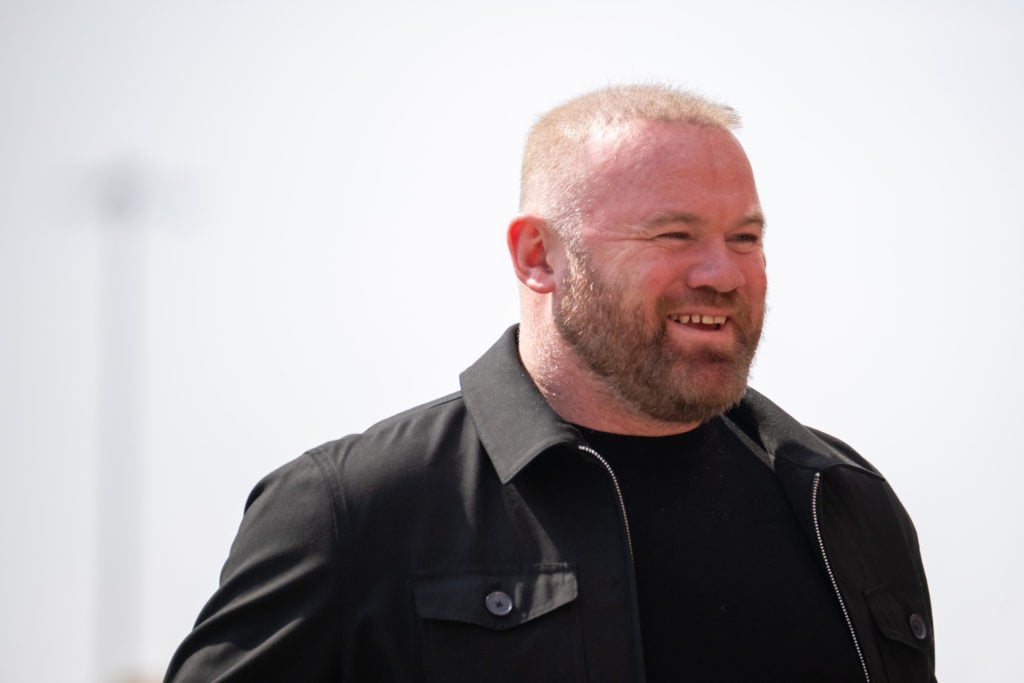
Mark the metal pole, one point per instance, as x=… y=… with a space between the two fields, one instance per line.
x=120 y=414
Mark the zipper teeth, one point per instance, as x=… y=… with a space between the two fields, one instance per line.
x=618 y=492
x=832 y=577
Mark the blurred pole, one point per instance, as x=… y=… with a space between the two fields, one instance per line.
x=122 y=200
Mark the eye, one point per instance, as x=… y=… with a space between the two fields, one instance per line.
x=675 y=235
x=745 y=241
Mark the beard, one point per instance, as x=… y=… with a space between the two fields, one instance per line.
x=636 y=358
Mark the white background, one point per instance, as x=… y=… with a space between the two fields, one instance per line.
x=316 y=241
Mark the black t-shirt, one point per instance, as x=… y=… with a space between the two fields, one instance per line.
x=729 y=588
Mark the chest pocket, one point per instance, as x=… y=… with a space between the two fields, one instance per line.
x=512 y=624
x=904 y=633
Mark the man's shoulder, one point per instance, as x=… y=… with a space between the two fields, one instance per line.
x=428 y=411
x=409 y=445
x=408 y=428
x=847 y=451
x=783 y=437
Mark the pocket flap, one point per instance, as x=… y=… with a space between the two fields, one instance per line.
x=900 y=615
x=498 y=599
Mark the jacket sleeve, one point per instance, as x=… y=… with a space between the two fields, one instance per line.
x=275 y=616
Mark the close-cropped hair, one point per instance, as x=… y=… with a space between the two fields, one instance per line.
x=554 y=170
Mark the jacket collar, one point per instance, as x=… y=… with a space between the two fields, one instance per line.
x=516 y=424
x=514 y=421
x=783 y=438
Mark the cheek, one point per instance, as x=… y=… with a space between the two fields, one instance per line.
x=757 y=286
x=756 y=275
x=661 y=272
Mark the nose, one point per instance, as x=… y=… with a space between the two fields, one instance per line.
x=715 y=267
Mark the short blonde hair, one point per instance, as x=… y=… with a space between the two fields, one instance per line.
x=554 y=170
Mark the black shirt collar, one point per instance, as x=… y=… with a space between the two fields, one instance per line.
x=514 y=421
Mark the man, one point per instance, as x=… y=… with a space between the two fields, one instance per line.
x=605 y=499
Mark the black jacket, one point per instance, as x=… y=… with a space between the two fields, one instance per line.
x=473 y=539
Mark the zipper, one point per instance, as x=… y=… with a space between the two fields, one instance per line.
x=638 y=636
x=618 y=492
x=832 y=576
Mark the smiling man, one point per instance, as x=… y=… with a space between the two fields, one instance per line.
x=648 y=298
x=605 y=499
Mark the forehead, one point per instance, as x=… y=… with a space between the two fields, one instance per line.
x=649 y=162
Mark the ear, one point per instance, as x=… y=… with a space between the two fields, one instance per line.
x=534 y=248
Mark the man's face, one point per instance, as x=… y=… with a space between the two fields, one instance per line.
x=664 y=292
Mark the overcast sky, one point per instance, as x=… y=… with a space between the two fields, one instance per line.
x=231 y=231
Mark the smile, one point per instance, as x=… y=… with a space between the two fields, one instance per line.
x=716 y=321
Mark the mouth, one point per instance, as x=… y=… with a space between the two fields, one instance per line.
x=697 y=321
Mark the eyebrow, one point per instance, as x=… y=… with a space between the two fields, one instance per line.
x=668 y=217
x=664 y=218
x=755 y=218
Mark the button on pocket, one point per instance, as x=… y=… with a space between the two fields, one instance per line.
x=918 y=626
x=498 y=603
x=525 y=618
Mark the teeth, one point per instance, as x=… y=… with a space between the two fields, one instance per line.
x=703 y=319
